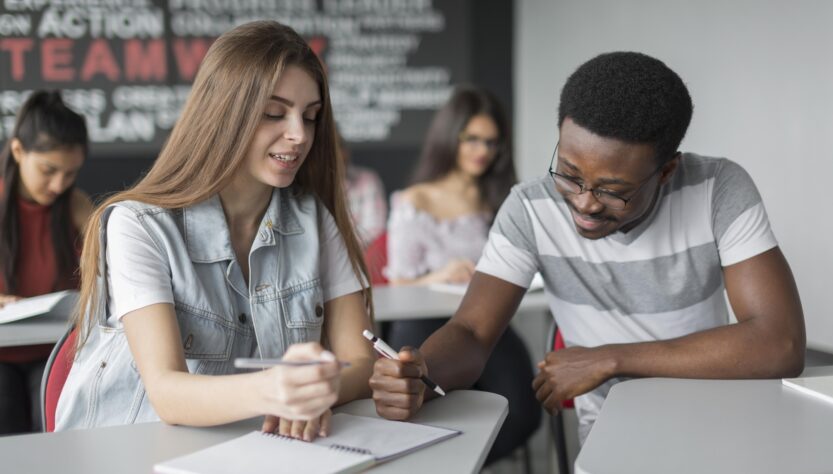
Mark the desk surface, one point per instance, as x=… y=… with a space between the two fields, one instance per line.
x=392 y=303
x=714 y=426
x=420 y=302
x=136 y=448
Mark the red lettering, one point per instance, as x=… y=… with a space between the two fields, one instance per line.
x=188 y=55
x=145 y=63
x=56 y=59
x=16 y=47
x=317 y=44
x=100 y=60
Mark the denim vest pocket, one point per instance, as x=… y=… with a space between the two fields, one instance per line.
x=113 y=376
x=206 y=340
x=302 y=307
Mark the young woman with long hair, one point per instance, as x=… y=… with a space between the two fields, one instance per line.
x=237 y=243
x=438 y=228
x=42 y=215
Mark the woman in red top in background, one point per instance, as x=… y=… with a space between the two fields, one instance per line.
x=41 y=217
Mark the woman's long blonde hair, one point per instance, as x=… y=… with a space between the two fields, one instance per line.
x=210 y=141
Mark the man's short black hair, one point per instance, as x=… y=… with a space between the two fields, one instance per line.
x=630 y=97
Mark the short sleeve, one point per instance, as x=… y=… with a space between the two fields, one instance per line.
x=406 y=246
x=337 y=276
x=739 y=220
x=511 y=252
x=138 y=274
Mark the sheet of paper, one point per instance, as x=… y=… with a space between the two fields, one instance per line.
x=39 y=305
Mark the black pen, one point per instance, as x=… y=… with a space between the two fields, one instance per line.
x=386 y=351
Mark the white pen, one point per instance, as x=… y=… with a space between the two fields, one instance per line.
x=386 y=351
x=247 y=363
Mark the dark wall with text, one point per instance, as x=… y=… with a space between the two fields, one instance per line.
x=127 y=66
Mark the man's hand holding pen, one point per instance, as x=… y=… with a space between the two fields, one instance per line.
x=397 y=389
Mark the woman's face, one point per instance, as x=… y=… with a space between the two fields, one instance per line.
x=286 y=131
x=478 y=145
x=45 y=175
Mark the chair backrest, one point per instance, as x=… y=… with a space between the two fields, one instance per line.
x=55 y=375
x=556 y=342
x=376 y=258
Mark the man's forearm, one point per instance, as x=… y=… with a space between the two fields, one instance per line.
x=739 y=350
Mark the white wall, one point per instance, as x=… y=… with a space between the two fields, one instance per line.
x=760 y=74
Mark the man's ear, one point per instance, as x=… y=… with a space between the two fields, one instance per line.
x=669 y=168
x=17 y=150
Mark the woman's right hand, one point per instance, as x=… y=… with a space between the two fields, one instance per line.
x=302 y=392
x=458 y=270
x=6 y=299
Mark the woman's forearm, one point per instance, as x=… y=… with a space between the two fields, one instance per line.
x=181 y=398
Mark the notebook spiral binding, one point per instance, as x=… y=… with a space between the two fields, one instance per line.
x=279 y=436
x=341 y=447
x=338 y=447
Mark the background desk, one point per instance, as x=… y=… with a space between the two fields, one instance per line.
x=36 y=330
x=714 y=426
x=419 y=302
x=392 y=303
x=136 y=448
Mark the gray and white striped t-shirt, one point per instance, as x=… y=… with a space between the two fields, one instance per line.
x=662 y=279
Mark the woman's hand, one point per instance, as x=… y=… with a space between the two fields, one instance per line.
x=306 y=430
x=302 y=392
x=458 y=270
x=6 y=299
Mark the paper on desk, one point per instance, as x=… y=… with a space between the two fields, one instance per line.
x=38 y=305
x=536 y=284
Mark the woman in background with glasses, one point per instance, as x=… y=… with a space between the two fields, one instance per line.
x=438 y=228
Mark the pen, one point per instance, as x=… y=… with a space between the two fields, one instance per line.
x=246 y=363
x=386 y=351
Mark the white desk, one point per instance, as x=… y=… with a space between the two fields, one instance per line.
x=392 y=303
x=714 y=426
x=419 y=302
x=136 y=448
x=46 y=329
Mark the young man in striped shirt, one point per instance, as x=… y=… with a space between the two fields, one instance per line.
x=637 y=243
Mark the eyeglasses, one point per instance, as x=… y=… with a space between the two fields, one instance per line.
x=471 y=140
x=610 y=200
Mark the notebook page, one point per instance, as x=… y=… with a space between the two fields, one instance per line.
x=37 y=305
x=383 y=439
x=259 y=453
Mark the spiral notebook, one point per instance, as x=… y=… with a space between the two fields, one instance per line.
x=355 y=443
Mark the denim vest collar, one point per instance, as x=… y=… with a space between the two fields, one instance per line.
x=208 y=221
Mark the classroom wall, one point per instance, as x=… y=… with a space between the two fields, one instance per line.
x=760 y=75
x=134 y=88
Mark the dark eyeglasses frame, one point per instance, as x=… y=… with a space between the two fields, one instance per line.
x=601 y=196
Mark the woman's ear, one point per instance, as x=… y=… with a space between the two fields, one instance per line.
x=17 y=150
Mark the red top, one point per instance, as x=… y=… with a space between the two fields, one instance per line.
x=36 y=269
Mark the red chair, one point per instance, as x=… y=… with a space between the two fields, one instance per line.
x=55 y=375
x=556 y=341
x=376 y=258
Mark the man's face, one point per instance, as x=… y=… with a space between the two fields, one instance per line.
x=615 y=167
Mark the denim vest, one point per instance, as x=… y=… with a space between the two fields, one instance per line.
x=219 y=317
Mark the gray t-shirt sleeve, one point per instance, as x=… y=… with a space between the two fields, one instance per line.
x=511 y=252
x=739 y=220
